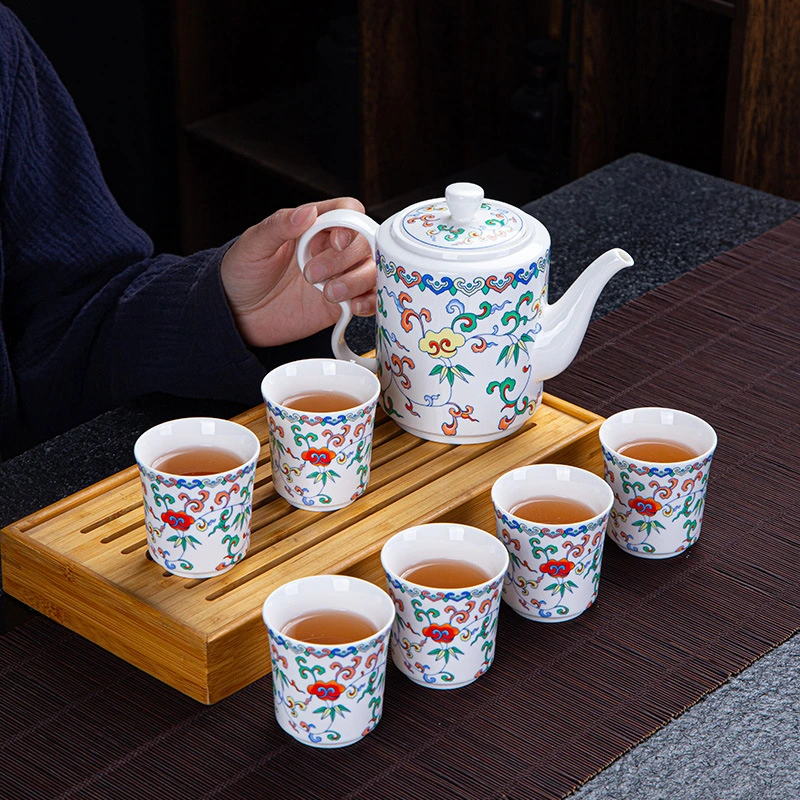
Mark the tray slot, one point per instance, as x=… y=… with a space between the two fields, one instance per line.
x=319 y=525
x=396 y=446
x=112 y=537
x=384 y=431
x=132 y=548
x=264 y=483
x=111 y=517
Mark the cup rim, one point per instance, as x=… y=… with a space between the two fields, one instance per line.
x=596 y=479
x=430 y=525
x=381 y=631
x=708 y=452
x=350 y=364
x=243 y=430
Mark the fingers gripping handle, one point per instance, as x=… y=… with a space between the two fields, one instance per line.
x=360 y=223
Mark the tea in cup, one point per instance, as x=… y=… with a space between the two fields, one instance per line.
x=552 y=519
x=445 y=581
x=197 y=486
x=321 y=415
x=329 y=637
x=657 y=462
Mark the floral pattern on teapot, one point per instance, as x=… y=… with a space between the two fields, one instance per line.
x=450 y=341
x=433 y=225
x=465 y=267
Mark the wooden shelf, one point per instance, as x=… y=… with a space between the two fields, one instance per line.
x=423 y=97
x=724 y=7
x=273 y=135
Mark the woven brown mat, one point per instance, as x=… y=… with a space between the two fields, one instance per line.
x=561 y=701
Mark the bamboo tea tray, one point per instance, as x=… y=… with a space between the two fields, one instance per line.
x=82 y=561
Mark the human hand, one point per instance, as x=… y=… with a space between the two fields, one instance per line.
x=272 y=302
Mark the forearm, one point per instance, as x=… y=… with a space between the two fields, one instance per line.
x=160 y=325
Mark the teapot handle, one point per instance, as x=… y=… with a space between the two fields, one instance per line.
x=361 y=223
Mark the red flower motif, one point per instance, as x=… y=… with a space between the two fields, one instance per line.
x=322 y=456
x=326 y=691
x=557 y=569
x=440 y=633
x=646 y=506
x=179 y=520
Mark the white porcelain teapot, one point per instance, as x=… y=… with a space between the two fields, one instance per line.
x=465 y=335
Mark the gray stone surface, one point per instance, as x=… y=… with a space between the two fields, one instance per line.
x=669 y=218
x=742 y=741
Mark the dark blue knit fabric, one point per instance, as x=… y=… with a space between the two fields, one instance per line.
x=88 y=316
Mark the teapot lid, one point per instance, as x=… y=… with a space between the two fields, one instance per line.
x=461 y=224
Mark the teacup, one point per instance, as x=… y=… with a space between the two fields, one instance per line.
x=554 y=572
x=328 y=695
x=444 y=635
x=320 y=459
x=658 y=504
x=198 y=525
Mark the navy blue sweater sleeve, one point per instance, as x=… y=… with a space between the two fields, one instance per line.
x=89 y=318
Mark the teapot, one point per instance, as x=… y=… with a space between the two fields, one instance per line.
x=465 y=335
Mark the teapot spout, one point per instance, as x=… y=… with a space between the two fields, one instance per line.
x=564 y=323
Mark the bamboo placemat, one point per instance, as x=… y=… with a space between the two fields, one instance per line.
x=561 y=701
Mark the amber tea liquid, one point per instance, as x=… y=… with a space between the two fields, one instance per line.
x=328 y=627
x=657 y=450
x=195 y=461
x=320 y=402
x=446 y=574
x=553 y=511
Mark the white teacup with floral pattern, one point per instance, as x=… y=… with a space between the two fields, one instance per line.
x=320 y=462
x=554 y=572
x=444 y=638
x=658 y=506
x=197 y=526
x=328 y=695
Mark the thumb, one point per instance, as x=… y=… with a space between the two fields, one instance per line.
x=283 y=226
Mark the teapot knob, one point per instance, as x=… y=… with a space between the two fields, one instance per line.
x=463 y=201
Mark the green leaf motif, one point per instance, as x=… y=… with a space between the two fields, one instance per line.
x=332 y=711
x=166 y=499
x=312 y=672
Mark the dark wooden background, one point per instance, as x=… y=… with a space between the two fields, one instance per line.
x=210 y=114
x=708 y=83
